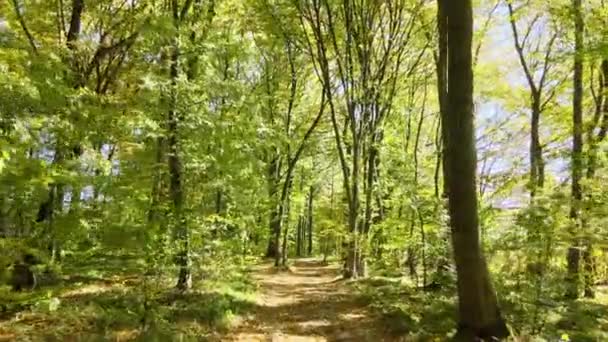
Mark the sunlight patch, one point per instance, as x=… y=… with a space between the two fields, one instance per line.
x=125 y=335
x=315 y=324
x=280 y=337
x=89 y=289
x=352 y=316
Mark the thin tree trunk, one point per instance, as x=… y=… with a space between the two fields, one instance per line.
x=442 y=90
x=311 y=194
x=479 y=315
x=299 y=236
x=601 y=119
x=285 y=224
x=537 y=168
x=423 y=249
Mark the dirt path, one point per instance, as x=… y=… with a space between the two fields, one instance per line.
x=307 y=303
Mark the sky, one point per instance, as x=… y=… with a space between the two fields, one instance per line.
x=498 y=48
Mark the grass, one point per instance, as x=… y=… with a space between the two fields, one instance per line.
x=414 y=314
x=407 y=311
x=104 y=298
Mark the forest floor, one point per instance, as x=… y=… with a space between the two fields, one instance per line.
x=102 y=299
x=307 y=302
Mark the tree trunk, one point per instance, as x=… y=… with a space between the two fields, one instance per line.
x=285 y=224
x=601 y=119
x=218 y=201
x=479 y=315
x=272 y=250
x=442 y=90
x=284 y=247
x=176 y=191
x=276 y=238
x=352 y=246
x=537 y=166
x=309 y=221
x=299 y=239
x=175 y=180
x=274 y=220
x=574 y=251
x=75 y=21
x=601 y=115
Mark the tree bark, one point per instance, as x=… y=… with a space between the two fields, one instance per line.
x=479 y=315
x=75 y=22
x=601 y=120
x=442 y=90
x=299 y=235
x=309 y=221
x=285 y=208
x=176 y=191
x=574 y=251
x=274 y=219
x=537 y=166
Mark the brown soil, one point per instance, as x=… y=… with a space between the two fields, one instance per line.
x=309 y=302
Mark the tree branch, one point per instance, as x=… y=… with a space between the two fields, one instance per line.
x=24 y=27
x=519 y=48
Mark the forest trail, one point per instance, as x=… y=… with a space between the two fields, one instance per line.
x=307 y=303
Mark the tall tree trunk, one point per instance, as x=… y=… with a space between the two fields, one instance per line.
x=601 y=119
x=309 y=221
x=574 y=253
x=442 y=90
x=175 y=181
x=479 y=315
x=176 y=191
x=442 y=84
x=353 y=249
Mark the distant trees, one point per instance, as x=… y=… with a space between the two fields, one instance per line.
x=358 y=50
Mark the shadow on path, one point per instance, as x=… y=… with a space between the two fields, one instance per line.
x=309 y=302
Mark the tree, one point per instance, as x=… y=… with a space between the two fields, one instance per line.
x=574 y=252
x=479 y=315
x=536 y=70
x=350 y=36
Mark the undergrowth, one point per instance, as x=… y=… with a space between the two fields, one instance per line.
x=412 y=313
x=113 y=300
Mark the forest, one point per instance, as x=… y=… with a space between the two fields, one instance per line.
x=303 y=170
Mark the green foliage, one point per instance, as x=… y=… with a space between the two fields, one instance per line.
x=86 y=185
x=408 y=312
